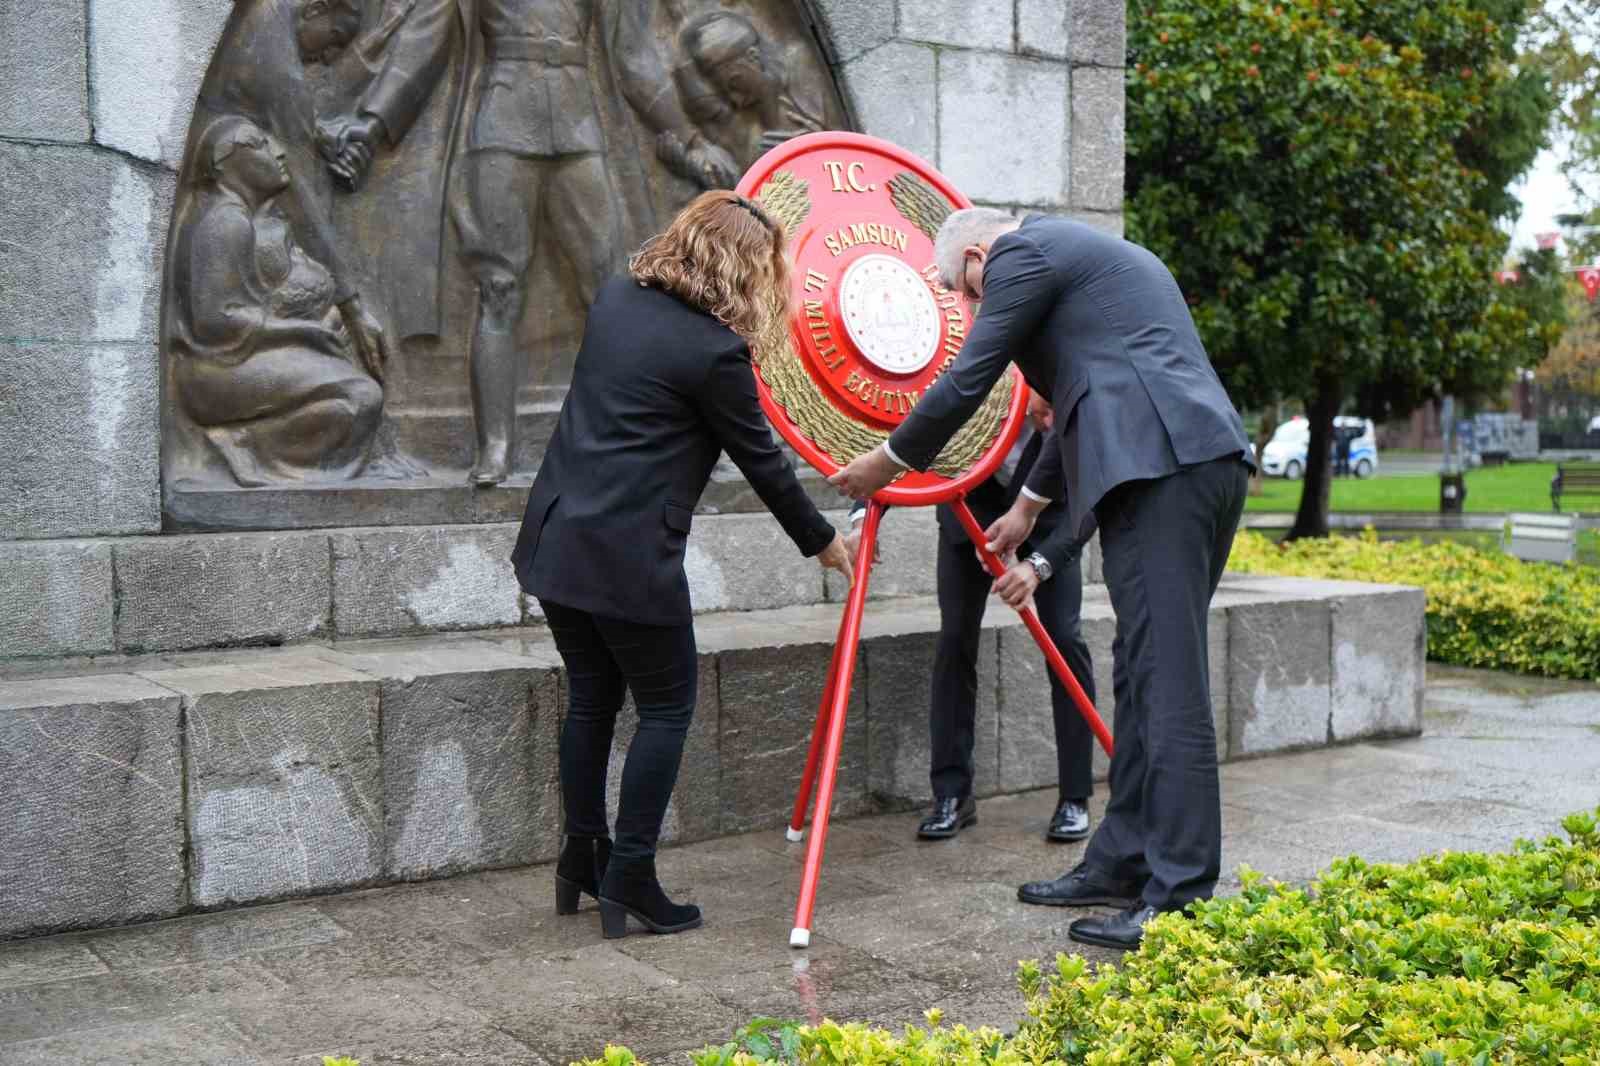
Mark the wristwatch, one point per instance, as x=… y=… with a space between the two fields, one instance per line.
x=1041 y=566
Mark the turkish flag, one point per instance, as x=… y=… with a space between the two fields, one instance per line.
x=1590 y=276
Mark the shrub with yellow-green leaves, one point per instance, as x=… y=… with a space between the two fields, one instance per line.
x=1455 y=958
x=1484 y=609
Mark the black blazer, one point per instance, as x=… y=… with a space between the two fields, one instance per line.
x=1100 y=326
x=658 y=390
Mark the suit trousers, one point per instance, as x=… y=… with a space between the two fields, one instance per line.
x=606 y=658
x=1165 y=543
x=964 y=587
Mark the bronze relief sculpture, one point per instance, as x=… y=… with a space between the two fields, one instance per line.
x=392 y=215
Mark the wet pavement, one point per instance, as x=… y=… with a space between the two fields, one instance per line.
x=481 y=970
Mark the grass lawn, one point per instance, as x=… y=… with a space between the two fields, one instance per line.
x=1490 y=490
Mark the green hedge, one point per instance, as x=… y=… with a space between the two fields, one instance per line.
x=1455 y=958
x=1484 y=609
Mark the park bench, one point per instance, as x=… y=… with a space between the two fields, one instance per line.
x=1574 y=479
x=1541 y=538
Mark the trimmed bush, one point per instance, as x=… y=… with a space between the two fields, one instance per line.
x=1484 y=609
x=1455 y=958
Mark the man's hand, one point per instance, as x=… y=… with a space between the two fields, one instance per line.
x=1008 y=531
x=1016 y=585
x=840 y=555
x=349 y=144
x=866 y=474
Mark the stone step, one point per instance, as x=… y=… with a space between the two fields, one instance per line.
x=139 y=595
x=140 y=787
x=442 y=497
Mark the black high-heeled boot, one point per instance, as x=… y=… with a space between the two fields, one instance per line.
x=582 y=864
x=630 y=887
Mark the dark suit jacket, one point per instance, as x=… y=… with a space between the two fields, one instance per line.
x=1052 y=536
x=1098 y=325
x=659 y=389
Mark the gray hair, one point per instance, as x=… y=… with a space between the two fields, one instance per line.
x=969 y=226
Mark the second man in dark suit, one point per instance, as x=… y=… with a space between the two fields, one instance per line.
x=1047 y=568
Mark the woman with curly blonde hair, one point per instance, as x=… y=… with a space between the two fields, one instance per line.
x=662 y=385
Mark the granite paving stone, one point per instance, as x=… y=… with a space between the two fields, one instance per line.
x=51 y=959
x=38 y=1011
x=307 y=1017
x=446 y=1044
x=479 y=969
x=661 y=1025
x=213 y=937
x=194 y=1039
x=427 y=905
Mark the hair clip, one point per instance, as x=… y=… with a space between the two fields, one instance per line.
x=755 y=209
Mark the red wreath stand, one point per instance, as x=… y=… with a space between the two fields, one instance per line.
x=873 y=328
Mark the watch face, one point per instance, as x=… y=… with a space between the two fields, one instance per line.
x=890 y=314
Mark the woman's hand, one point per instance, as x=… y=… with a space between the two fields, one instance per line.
x=840 y=556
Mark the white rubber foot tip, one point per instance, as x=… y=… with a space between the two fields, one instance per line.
x=794 y=836
x=799 y=938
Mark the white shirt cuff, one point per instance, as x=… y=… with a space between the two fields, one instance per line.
x=893 y=458
x=1034 y=496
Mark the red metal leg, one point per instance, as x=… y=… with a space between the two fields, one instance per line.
x=845 y=663
x=802 y=797
x=1052 y=654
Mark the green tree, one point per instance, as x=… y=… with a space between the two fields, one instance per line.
x=1323 y=176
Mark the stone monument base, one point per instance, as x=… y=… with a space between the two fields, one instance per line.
x=167 y=782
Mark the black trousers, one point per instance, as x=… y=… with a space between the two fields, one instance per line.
x=605 y=658
x=1165 y=542
x=964 y=588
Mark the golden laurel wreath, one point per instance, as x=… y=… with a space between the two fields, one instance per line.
x=844 y=438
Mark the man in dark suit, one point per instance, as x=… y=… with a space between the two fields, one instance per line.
x=1048 y=569
x=1149 y=445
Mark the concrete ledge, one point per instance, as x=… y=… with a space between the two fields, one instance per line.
x=222 y=778
x=284 y=780
x=189 y=592
x=90 y=803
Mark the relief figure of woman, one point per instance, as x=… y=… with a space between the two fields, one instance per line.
x=265 y=367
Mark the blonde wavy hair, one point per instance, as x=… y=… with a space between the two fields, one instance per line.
x=724 y=255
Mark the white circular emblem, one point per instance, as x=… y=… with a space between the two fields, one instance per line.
x=889 y=314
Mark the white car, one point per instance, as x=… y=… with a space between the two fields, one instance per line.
x=1285 y=454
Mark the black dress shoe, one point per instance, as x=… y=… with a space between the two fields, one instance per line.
x=1123 y=930
x=949 y=817
x=1080 y=887
x=1070 y=822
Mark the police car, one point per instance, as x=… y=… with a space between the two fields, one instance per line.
x=1285 y=454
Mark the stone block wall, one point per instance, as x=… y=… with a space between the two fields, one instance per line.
x=145 y=786
x=1020 y=102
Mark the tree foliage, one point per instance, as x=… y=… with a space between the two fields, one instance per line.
x=1561 y=43
x=1323 y=177
x=1574 y=364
